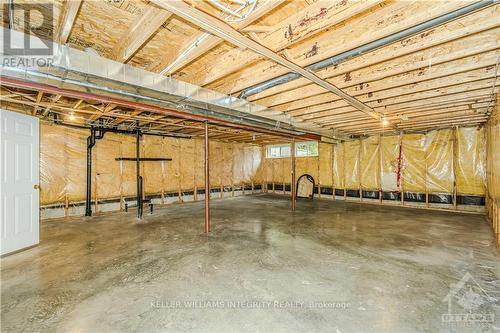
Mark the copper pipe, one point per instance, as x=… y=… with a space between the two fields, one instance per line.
x=145 y=107
x=207 y=181
x=293 y=185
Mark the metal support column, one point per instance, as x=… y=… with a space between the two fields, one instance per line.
x=293 y=185
x=138 y=170
x=207 y=181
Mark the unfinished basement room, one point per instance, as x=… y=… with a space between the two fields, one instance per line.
x=250 y=166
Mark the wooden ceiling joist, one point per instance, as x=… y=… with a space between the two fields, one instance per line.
x=306 y=23
x=481 y=53
x=443 y=76
x=342 y=120
x=85 y=115
x=385 y=89
x=460 y=98
x=470 y=34
x=390 y=19
x=202 y=42
x=479 y=88
x=67 y=20
x=224 y=31
x=395 y=120
x=39 y=97
x=140 y=32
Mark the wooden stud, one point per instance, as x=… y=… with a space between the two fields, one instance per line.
x=359 y=171
x=401 y=171
x=379 y=169
x=333 y=170
x=454 y=167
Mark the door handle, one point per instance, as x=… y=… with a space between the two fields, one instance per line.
x=36 y=187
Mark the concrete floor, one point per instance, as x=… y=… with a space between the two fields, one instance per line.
x=330 y=266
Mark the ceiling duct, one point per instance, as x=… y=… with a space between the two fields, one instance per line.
x=73 y=69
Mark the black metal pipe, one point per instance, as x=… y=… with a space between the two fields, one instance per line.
x=146 y=159
x=95 y=134
x=139 y=178
x=90 y=140
x=122 y=131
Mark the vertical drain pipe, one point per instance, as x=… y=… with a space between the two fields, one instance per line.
x=293 y=185
x=94 y=135
x=138 y=170
x=207 y=181
x=90 y=144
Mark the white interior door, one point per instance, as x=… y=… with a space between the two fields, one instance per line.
x=19 y=170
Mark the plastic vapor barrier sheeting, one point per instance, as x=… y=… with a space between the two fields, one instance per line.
x=187 y=164
x=351 y=164
x=470 y=162
x=369 y=163
x=53 y=164
x=413 y=164
x=390 y=162
x=338 y=165
x=63 y=164
x=128 y=171
x=107 y=176
x=439 y=151
x=325 y=164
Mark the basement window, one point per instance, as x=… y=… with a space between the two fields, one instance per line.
x=302 y=149
x=278 y=151
x=306 y=149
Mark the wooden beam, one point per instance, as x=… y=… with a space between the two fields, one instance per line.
x=450 y=121
x=50 y=104
x=459 y=98
x=128 y=116
x=308 y=22
x=458 y=91
x=104 y=112
x=437 y=114
x=390 y=19
x=337 y=123
x=38 y=100
x=475 y=31
x=78 y=103
x=67 y=19
x=120 y=117
x=450 y=91
x=226 y=32
x=441 y=61
x=422 y=127
x=372 y=94
x=203 y=42
x=342 y=119
x=140 y=32
x=258 y=28
x=443 y=117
